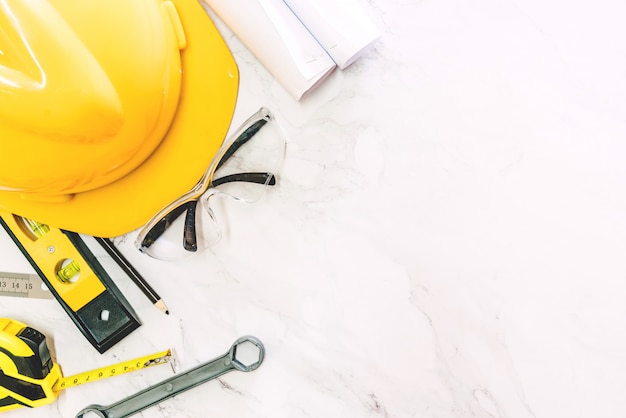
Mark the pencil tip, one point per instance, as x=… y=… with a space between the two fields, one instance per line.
x=167 y=312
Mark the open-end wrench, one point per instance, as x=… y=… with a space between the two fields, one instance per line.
x=246 y=354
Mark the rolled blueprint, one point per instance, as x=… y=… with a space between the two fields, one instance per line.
x=341 y=26
x=271 y=31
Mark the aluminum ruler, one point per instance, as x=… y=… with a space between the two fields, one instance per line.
x=23 y=285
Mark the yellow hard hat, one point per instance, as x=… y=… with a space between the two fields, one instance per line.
x=109 y=110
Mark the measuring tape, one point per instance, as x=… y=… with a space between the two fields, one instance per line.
x=113 y=370
x=29 y=376
x=23 y=285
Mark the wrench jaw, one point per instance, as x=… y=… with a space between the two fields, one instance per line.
x=247 y=353
x=93 y=409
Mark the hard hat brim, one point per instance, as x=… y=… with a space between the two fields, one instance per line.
x=209 y=91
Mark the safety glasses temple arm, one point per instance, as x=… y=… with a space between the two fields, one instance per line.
x=240 y=141
x=190 y=241
x=164 y=223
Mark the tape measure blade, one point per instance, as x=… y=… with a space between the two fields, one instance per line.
x=23 y=285
x=116 y=369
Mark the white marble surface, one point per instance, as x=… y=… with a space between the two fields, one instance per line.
x=447 y=239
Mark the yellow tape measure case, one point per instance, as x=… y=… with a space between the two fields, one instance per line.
x=27 y=372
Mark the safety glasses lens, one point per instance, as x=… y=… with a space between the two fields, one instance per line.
x=249 y=166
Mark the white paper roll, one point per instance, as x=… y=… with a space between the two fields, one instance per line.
x=340 y=26
x=271 y=31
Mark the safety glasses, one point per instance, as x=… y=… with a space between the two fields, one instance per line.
x=243 y=168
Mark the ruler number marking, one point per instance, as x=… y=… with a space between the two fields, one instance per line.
x=21 y=285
